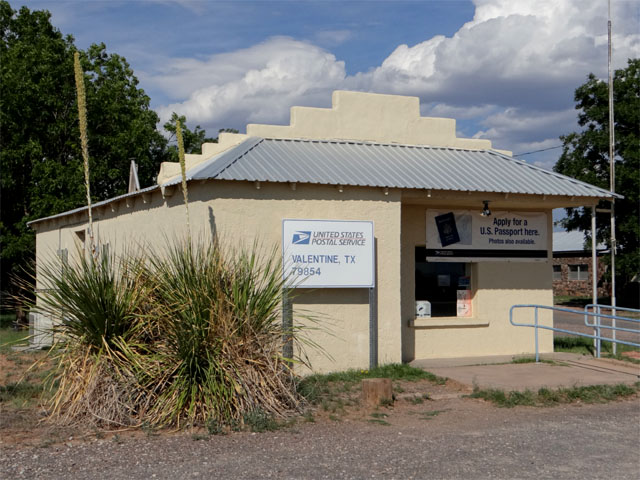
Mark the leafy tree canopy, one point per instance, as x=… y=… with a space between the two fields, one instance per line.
x=585 y=156
x=40 y=159
x=193 y=140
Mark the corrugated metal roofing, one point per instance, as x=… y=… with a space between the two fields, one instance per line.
x=385 y=165
x=97 y=204
x=572 y=241
x=342 y=162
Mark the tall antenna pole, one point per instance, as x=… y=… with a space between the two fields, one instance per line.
x=612 y=185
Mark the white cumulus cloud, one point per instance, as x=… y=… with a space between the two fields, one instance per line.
x=511 y=71
x=257 y=84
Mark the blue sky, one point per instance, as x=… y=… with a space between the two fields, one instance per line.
x=505 y=69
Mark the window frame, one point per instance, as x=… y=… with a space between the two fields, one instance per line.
x=578 y=272
x=557 y=274
x=469 y=271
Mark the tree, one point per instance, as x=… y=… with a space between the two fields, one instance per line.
x=193 y=140
x=40 y=159
x=585 y=156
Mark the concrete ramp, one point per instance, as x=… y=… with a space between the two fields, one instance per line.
x=554 y=371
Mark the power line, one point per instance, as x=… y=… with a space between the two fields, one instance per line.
x=536 y=151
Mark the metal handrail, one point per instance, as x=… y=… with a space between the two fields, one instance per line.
x=613 y=327
x=597 y=335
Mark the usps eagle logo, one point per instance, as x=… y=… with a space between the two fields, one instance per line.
x=301 y=238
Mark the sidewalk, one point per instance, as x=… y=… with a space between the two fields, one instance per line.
x=568 y=370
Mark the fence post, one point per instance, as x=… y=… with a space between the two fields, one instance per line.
x=598 y=332
x=594 y=273
x=536 y=334
x=287 y=326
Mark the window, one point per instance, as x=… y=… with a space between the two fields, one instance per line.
x=557 y=272
x=579 y=272
x=445 y=285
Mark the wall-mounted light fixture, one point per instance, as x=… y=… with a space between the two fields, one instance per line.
x=485 y=208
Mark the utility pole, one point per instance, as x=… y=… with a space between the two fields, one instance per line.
x=612 y=185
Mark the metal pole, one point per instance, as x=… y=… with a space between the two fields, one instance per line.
x=373 y=328
x=536 y=335
x=287 y=326
x=594 y=273
x=612 y=185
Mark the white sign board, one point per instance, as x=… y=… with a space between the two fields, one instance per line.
x=465 y=235
x=328 y=254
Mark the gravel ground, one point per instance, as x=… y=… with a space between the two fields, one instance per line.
x=440 y=439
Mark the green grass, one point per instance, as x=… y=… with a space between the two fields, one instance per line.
x=6 y=319
x=379 y=419
x=419 y=399
x=20 y=394
x=335 y=391
x=533 y=360
x=580 y=345
x=572 y=301
x=584 y=346
x=314 y=387
x=260 y=421
x=10 y=337
x=547 y=397
x=429 y=414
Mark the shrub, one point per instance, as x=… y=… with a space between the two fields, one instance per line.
x=97 y=305
x=190 y=336
x=220 y=335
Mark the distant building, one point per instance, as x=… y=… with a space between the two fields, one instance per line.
x=572 y=266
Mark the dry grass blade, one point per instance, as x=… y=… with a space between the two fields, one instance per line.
x=184 y=338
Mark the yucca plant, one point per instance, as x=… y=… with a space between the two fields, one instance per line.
x=97 y=306
x=220 y=335
x=96 y=301
x=191 y=336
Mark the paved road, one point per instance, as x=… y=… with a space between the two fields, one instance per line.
x=467 y=440
x=575 y=323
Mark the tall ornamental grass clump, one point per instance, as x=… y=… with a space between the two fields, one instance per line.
x=190 y=336
x=219 y=335
x=97 y=304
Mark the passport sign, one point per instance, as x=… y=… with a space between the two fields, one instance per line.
x=464 y=236
x=328 y=253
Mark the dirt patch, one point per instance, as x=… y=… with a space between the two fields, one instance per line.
x=24 y=422
x=443 y=405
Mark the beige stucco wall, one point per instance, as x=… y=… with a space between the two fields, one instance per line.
x=239 y=212
x=496 y=286
x=357 y=116
x=369 y=117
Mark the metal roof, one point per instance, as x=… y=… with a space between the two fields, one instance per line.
x=368 y=164
x=96 y=205
x=341 y=162
x=572 y=241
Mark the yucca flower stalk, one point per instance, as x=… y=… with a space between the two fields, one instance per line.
x=84 y=142
x=183 y=170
